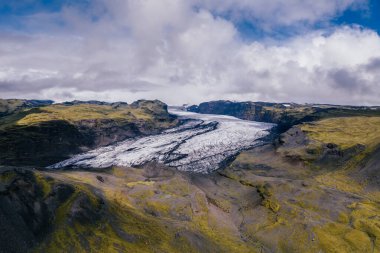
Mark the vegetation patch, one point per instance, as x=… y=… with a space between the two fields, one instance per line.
x=81 y=112
x=346 y=132
x=336 y=238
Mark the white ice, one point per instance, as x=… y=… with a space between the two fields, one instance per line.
x=200 y=145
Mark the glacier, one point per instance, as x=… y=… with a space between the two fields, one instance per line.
x=201 y=144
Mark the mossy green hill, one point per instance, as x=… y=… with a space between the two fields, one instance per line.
x=44 y=135
x=9 y=106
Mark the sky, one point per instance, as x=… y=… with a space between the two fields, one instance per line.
x=191 y=51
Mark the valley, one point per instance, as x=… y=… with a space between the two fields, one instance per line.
x=189 y=182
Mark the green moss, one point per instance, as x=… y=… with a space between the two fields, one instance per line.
x=63 y=210
x=223 y=204
x=265 y=190
x=337 y=238
x=346 y=131
x=44 y=183
x=126 y=231
x=77 y=113
x=339 y=180
x=7 y=176
x=176 y=186
x=268 y=199
x=365 y=217
x=82 y=112
x=158 y=207
x=119 y=172
x=133 y=184
x=219 y=235
x=271 y=204
x=343 y=218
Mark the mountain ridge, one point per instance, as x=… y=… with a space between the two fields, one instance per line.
x=284 y=114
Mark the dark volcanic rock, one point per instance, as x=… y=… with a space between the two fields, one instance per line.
x=100 y=179
x=95 y=102
x=31 y=208
x=41 y=144
x=285 y=115
x=25 y=215
x=84 y=211
x=243 y=110
x=369 y=171
x=293 y=138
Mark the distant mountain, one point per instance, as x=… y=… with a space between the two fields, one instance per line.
x=9 y=106
x=95 y=102
x=284 y=114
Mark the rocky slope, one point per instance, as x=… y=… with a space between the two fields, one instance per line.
x=45 y=135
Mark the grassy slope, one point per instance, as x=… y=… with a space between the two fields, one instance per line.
x=80 y=112
x=77 y=113
x=297 y=114
x=346 y=132
x=324 y=205
x=312 y=214
x=146 y=211
x=239 y=210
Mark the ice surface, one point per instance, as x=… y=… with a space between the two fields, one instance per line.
x=201 y=144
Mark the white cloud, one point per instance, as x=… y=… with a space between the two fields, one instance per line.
x=170 y=51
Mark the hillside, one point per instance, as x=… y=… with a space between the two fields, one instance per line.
x=324 y=180
x=41 y=136
x=9 y=106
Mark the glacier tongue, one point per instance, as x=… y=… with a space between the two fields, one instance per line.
x=200 y=145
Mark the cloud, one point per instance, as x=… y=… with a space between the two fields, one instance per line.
x=373 y=65
x=169 y=50
x=284 y=13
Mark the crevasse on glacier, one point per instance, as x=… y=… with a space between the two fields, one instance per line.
x=199 y=145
